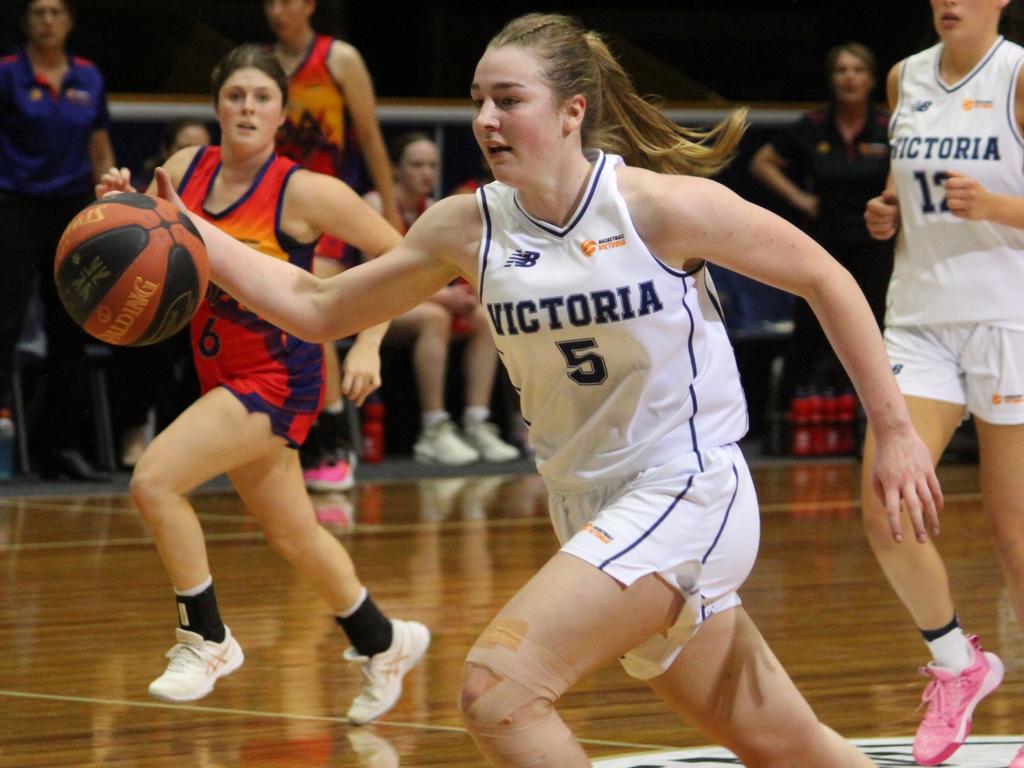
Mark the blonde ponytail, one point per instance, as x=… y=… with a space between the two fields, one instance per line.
x=618 y=119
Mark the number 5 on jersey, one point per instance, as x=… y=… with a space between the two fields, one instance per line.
x=585 y=366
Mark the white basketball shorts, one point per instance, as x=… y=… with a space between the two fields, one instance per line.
x=694 y=521
x=977 y=366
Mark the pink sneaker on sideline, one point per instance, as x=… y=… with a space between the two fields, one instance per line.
x=951 y=699
x=1018 y=761
x=331 y=474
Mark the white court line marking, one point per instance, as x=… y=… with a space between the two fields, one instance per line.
x=362 y=528
x=358 y=528
x=36 y=506
x=39 y=504
x=840 y=504
x=282 y=716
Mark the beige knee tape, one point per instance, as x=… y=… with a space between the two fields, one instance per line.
x=514 y=721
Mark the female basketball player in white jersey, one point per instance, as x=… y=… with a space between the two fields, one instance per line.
x=955 y=322
x=594 y=276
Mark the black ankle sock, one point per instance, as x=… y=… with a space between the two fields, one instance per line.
x=368 y=629
x=199 y=614
x=935 y=634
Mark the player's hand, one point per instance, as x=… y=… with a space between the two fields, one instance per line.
x=165 y=189
x=114 y=181
x=360 y=371
x=904 y=477
x=882 y=216
x=966 y=197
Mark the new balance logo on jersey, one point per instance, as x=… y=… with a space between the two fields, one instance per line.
x=921 y=106
x=522 y=259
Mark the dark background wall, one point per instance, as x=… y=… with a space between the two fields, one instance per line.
x=735 y=50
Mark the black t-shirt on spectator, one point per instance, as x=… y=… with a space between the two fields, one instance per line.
x=843 y=176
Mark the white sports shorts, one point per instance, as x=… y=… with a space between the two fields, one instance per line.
x=694 y=521
x=977 y=366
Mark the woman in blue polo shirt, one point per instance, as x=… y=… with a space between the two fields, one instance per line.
x=54 y=145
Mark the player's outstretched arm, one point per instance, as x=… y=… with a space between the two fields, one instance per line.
x=321 y=310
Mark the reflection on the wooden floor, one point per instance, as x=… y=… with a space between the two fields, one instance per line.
x=86 y=614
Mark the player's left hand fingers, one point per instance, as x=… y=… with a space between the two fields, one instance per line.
x=931 y=494
x=348 y=383
x=114 y=181
x=961 y=203
x=890 y=498
x=367 y=388
x=358 y=386
x=929 y=511
x=914 y=510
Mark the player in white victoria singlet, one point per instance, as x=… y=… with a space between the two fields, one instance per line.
x=589 y=323
x=955 y=323
x=593 y=272
x=949 y=270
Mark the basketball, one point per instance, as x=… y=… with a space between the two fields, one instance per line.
x=131 y=269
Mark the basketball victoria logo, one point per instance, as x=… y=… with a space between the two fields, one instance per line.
x=978 y=752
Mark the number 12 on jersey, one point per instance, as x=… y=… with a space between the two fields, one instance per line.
x=937 y=184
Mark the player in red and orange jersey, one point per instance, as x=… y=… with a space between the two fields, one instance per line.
x=262 y=389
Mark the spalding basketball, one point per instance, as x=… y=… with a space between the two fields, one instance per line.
x=131 y=269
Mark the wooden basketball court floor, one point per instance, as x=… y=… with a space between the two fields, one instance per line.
x=86 y=614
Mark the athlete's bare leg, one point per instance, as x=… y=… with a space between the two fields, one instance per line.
x=578 y=619
x=1002 y=491
x=428 y=328
x=728 y=683
x=272 y=488
x=915 y=570
x=213 y=435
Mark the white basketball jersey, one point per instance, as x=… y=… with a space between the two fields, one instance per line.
x=622 y=363
x=947 y=269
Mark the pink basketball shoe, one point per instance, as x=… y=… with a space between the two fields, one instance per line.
x=951 y=699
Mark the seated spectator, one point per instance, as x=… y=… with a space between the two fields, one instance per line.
x=453 y=312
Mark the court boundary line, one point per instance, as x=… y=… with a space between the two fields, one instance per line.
x=257 y=535
x=376 y=528
x=286 y=716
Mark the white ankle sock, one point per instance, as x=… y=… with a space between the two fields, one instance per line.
x=952 y=650
x=475 y=414
x=430 y=418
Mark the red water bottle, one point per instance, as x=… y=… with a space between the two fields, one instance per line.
x=800 y=423
x=373 y=430
x=816 y=409
x=847 y=417
x=830 y=421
